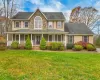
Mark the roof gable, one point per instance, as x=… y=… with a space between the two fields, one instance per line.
x=47 y=15
x=38 y=10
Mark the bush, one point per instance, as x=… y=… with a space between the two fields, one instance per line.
x=70 y=46
x=90 y=47
x=21 y=46
x=43 y=44
x=54 y=46
x=78 y=47
x=2 y=43
x=84 y=44
x=28 y=44
x=48 y=45
x=14 y=45
x=57 y=46
x=62 y=48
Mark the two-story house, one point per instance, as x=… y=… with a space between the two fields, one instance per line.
x=50 y=25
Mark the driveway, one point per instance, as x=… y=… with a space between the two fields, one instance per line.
x=98 y=50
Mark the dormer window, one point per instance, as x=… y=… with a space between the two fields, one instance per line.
x=50 y=25
x=38 y=22
x=26 y=24
x=17 y=24
x=59 y=24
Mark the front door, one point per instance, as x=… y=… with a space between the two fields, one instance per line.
x=38 y=38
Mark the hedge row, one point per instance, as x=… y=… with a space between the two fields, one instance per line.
x=81 y=45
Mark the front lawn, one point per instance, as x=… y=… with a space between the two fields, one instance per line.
x=38 y=65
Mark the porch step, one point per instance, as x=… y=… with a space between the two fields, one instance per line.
x=36 y=47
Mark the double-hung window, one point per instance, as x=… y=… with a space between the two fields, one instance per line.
x=70 y=39
x=85 y=38
x=59 y=24
x=26 y=24
x=50 y=25
x=17 y=24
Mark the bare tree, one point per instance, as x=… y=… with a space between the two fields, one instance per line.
x=87 y=15
x=10 y=9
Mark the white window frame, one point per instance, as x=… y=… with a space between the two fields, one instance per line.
x=59 y=22
x=24 y=24
x=70 y=37
x=38 y=22
x=87 y=37
x=19 y=24
x=49 y=25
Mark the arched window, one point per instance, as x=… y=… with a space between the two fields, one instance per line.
x=37 y=22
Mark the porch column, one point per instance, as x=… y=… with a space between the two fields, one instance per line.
x=19 y=38
x=12 y=37
x=57 y=38
x=42 y=35
x=54 y=37
x=48 y=37
x=61 y=38
x=24 y=38
x=7 y=39
x=31 y=40
x=65 y=40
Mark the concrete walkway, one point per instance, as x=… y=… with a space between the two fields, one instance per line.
x=98 y=50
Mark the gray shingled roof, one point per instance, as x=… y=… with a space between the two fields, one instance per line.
x=77 y=28
x=22 y=15
x=38 y=31
x=49 y=15
x=54 y=15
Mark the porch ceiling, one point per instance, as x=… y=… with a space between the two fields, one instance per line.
x=47 y=31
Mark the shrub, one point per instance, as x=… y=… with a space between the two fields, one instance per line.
x=82 y=44
x=57 y=46
x=90 y=47
x=43 y=44
x=21 y=46
x=28 y=44
x=48 y=45
x=69 y=46
x=2 y=43
x=54 y=46
x=14 y=45
x=78 y=47
x=62 y=48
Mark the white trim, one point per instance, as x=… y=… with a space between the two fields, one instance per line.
x=59 y=27
x=24 y=38
x=12 y=37
x=61 y=38
x=49 y=25
x=31 y=39
x=35 y=12
x=24 y=24
x=65 y=40
x=19 y=38
x=35 y=26
x=19 y=24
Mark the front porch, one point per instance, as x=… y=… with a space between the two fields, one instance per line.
x=35 y=38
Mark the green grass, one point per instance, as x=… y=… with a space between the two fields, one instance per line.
x=38 y=65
